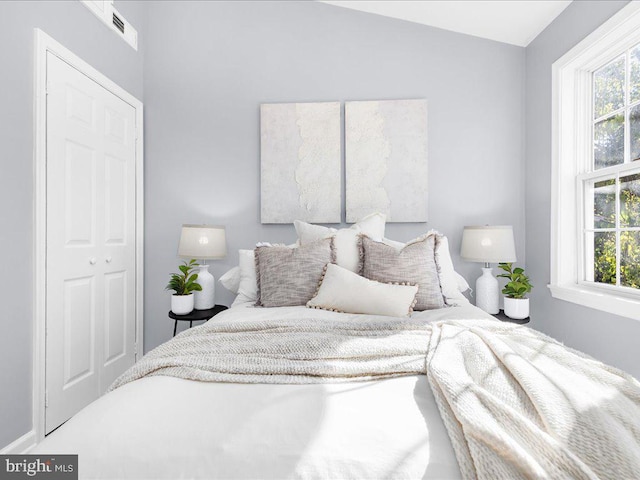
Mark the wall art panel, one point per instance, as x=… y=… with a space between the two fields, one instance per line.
x=386 y=159
x=300 y=162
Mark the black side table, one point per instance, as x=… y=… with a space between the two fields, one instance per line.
x=502 y=316
x=195 y=315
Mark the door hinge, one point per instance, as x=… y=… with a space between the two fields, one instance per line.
x=135 y=348
x=47 y=88
x=46 y=399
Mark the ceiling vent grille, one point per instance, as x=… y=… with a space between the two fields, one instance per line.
x=105 y=11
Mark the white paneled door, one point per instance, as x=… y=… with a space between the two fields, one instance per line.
x=91 y=240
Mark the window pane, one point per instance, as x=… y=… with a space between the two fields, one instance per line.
x=630 y=259
x=630 y=201
x=604 y=257
x=608 y=88
x=608 y=148
x=604 y=204
x=635 y=74
x=634 y=127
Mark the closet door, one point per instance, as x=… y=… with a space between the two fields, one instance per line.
x=90 y=299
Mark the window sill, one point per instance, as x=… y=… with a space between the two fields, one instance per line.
x=617 y=304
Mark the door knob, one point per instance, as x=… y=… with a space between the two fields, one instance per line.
x=92 y=260
x=108 y=260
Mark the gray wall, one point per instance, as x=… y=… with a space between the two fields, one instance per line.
x=211 y=64
x=609 y=338
x=73 y=25
x=209 y=67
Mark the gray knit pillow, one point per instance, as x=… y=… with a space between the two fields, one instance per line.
x=415 y=264
x=290 y=276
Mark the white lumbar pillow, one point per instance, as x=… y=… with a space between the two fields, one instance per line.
x=344 y=291
x=346 y=239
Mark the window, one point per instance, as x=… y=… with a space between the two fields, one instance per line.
x=611 y=231
x=596 y=169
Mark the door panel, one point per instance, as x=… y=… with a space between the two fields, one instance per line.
x=116 y=207
x=79 y=326
x=80 y=106
x=80 y=176
x=90 y=299
x=118 y=237
x=115 y=338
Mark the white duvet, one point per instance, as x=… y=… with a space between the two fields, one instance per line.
x=165 y=427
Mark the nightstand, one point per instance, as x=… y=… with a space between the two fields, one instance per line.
x=195 y=315
x=501 y=316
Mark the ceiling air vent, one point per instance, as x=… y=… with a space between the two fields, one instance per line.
x=105 y=11
x=117 y=21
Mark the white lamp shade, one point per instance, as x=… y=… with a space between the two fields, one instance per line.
x=202 y=242
x=488 y=244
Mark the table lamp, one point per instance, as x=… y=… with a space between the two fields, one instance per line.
x=203 y=242
x=488 y=244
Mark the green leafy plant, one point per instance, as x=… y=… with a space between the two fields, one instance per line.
x=518 y=285
x=184 y=283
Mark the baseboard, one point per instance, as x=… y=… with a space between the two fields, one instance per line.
x=21 y=445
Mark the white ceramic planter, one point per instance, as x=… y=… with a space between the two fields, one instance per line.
x=182 y=304
x=516 y=308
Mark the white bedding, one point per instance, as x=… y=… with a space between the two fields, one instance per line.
x=164 y=427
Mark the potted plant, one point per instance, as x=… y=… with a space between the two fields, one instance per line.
x=516 y=304
x=183 y=284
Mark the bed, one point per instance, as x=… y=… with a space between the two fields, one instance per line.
x=295 y=392
x=166 y=427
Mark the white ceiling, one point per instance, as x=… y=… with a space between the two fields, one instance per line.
x=510 y=21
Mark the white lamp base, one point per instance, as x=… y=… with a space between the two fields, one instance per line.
x=206 y=298
x=487 y=294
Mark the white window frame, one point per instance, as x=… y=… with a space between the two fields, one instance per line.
x=572 y=152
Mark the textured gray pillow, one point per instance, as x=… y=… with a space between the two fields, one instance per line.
x=415 y=264
x=290 y=276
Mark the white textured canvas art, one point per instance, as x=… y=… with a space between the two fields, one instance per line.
x=386 y=159
x=300 y=162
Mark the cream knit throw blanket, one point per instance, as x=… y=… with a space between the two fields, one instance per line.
x=516 y=403
x=289 y=350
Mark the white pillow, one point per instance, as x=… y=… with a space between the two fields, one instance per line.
x=248 y=287
x=344 y=291
x=451 y=282
x=346 y=239
x=463 y=285
x=231 y=280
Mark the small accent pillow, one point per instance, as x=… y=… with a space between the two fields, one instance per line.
x=231 y=280
x=451 y=282
x=415 y=264
x=290 y=276
x=248 y=287
x=346 y=239
x=341 y=290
